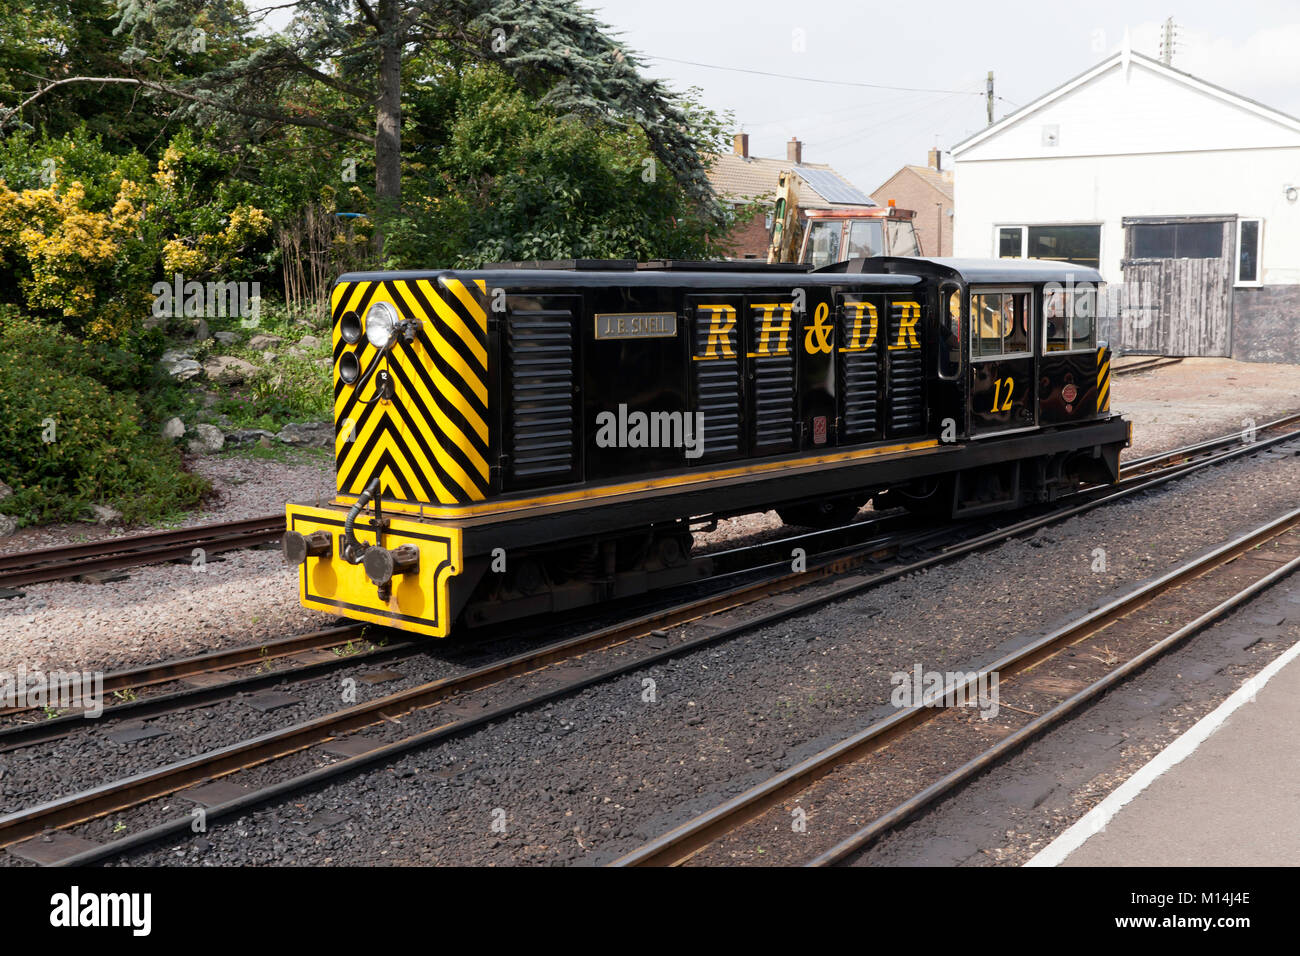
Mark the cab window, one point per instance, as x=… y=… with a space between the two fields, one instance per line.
x=823 y=243
x=902 y=239
x=866 y=238
x=1069 y=319
x=1000 y=323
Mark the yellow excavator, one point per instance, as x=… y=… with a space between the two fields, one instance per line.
x=835 y=235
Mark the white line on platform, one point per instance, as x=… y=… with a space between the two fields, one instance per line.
x=1095 y=820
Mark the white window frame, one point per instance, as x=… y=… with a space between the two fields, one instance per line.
x=974 y=325
x=1024 y=228
x=1258 y=281
x=997 y=240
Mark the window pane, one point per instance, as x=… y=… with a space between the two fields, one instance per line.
x=902 y=239
x=1057 y=320
x=865 y=239
x=1015 y=322
x=1083 y=319
x=1009 y=243
x=824 y=244
x=1081 y=244
x=952 y=334
x=1200 y=240
x=1248 y=255
x=986 y=324
x=1153 y=242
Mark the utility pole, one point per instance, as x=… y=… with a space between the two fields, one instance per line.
x=1167 y=42
x=990 y=97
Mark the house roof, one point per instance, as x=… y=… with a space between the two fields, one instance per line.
x=739 y=178
x=940 y=181
x=1122 y=60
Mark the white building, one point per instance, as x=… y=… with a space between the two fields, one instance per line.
x=1184 y=194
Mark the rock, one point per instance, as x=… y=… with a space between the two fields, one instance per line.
x=179 y=365
x=228 y=370
x=173 y=428
x=227 y=338
x=269 y=356
x=308 y=434
x=5 y=491
x=309 y=342
x=295 y=352
x=106 y=515
x=208 y=440
x=242 y=437
x=263 y=341
x=324 y=363
x=7 y=526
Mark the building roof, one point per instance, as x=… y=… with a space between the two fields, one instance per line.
x=940 y=181
x=1122 y=60
x=739 y=178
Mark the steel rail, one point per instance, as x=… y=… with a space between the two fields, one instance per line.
x=679 y=844
x=117 y=795
x=63 y=561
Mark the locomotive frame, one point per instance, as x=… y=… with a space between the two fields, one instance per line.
x=507 y=432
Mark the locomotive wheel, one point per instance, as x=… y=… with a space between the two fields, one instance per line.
x=820 y=514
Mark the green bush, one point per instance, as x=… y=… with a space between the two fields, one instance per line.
x=68 y=441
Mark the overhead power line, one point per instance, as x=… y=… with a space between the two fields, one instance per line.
x=813 y=79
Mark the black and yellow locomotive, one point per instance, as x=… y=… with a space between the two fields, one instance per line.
x=532 y=437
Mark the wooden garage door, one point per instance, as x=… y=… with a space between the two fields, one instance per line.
x=1178 y=285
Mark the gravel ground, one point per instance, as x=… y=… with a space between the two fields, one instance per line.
x=1201 y=398
x=586 y=778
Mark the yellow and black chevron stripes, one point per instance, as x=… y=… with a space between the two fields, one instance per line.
x=1103 y=380
x=429 y=443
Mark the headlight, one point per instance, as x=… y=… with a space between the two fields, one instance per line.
x=381 y=319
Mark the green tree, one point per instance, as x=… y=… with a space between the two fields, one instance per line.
x=339 y=69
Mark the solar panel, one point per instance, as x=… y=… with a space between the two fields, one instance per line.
x=832 y=188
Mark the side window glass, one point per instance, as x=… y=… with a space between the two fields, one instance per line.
x=1015 y=322
x=824 y=244
x=950 y=346
x=1056 y=320
x=986 y=323
x=1083 y=320
x=865 y=239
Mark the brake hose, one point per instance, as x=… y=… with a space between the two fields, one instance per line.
x=353 y=551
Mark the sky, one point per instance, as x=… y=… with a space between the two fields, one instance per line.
x=941 y=50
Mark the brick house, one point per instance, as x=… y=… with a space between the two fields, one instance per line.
x=927 y=191
x=738 y=178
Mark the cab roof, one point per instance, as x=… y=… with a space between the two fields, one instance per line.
x=973 y=271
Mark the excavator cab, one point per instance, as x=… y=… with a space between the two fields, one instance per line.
x=837 y=235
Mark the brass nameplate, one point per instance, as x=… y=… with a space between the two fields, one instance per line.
x=636 y=325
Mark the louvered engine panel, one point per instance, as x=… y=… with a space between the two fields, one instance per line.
x=859 y=373
x=774 y=402
x=905 y=395
x=718 y=396
x=541 y=445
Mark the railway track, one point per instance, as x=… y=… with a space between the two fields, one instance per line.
x=1105 y=647
x=1146 y=365
x=67 y=561
x=440 y=710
